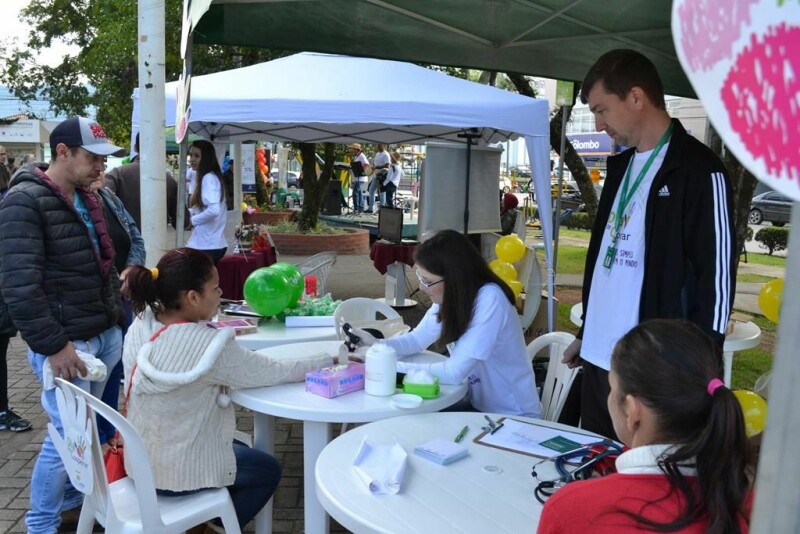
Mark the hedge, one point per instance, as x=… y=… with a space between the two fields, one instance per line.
x=579 y=221
x=773 y=238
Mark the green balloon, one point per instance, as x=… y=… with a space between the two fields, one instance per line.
x=297 y=282
x=267 y=291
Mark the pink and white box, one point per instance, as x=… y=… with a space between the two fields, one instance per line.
x=336 y=380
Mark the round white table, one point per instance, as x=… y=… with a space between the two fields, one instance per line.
x=491 y=490
x=318 y=413
x=274 y=332
x=744 y=336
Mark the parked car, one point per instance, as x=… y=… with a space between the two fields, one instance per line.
x=292 y=178
x=772 y=207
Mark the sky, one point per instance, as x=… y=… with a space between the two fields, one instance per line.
x=14 y=33
x=14 y=30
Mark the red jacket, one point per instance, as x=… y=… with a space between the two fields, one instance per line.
x=592 y=506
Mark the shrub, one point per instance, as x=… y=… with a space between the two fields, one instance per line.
x=748 y=234
x=578 y=221
x=773 y=238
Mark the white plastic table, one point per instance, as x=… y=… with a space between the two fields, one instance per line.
x=274 y=332
x=318 y=413
x=491 y=490
x=744 y=336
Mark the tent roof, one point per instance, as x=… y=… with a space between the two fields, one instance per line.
x=549 y=38
x=314 y=97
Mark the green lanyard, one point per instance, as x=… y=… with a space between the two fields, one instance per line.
x=626 y=196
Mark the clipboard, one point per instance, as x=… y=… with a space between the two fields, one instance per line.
x=524 y=431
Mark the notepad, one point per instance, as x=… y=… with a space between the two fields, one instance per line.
x=441 y=451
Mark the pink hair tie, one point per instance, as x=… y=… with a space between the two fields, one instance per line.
x=713 y=385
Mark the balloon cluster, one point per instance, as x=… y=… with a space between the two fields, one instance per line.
x=270 y=290
x=754 y=409
x=509 y=249
x=261 y=160
x=769 y=299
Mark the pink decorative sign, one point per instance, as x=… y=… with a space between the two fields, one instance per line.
x=743 y=60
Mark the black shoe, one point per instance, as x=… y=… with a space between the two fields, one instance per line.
x=69 y=522
x=11 y=421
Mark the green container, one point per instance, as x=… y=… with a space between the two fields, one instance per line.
x=426 y=391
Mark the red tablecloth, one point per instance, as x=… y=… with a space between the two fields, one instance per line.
x=385 y=254
x=235 y=268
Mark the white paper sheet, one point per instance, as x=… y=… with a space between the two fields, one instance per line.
x=381 y=467
x=526 y=437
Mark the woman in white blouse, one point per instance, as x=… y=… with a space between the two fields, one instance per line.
x=207 y=204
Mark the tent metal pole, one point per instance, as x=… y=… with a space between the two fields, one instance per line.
x=557 y=216
x=469 y=135
x=183 y=154
x=778 y=481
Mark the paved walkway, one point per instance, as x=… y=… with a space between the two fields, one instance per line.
x=352 y=276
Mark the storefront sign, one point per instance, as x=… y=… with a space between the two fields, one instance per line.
x=22 y=131
x=591 y=143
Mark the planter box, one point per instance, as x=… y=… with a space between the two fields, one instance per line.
x=354 y=241
x=268 y=217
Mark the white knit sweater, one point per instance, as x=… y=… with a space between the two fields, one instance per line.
x=174 y=399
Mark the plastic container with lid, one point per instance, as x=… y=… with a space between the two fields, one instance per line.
x=380 y=370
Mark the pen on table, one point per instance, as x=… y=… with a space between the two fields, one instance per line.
x=495 y=429
x=461 y=434
x=491 y=423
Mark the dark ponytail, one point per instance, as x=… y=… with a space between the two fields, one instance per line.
x=178 y=271
x=668 y=365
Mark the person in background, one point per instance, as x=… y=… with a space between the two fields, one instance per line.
x=392 y=180
x=125 y=182
x=358 y=165
x=207 y=204
x=58 y=279
x=508 y=215
x=5 y=175
x=129 y=250
x=640 y=264
x=685 y=470
x=182 y=372
x=380 y=163
x=474 y=316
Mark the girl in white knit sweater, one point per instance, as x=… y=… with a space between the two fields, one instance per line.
x=181 y=372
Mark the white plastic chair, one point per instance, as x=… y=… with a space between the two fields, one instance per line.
x=128 y=505
x=559 y=377
x=361 y=310
x=319 y=265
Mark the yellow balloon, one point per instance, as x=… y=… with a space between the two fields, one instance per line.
x=754 y=409
x=503 y=269
x=510 y=248
x=515 y=285
x=769 y=299
x=244 y=206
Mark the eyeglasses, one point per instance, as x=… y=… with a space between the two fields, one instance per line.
x=427 y=285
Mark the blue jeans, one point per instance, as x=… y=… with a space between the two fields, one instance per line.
x=257 y=477
x=374 y=186
x=50 y=489
x=358 y=195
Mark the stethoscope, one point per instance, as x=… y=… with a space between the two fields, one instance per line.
x=545 y=488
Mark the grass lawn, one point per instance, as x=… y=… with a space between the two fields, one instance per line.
x=577 y=234
x=571 y=259
x=753 y=278
x=765 y=259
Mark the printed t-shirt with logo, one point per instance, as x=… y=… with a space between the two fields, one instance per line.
x=615 y=293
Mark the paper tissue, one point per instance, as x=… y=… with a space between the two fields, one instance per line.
x=336 y=380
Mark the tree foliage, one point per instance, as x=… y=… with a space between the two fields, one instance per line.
x=103 y=74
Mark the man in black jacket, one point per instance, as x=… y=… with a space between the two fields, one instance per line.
x=58 y=279
x=662 y=241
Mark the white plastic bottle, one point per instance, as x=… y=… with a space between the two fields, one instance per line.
x=380 y=370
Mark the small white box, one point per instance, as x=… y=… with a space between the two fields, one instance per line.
x=293 y=321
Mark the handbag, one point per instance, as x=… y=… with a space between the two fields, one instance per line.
x=114 y=459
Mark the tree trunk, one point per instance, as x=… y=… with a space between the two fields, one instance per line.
x=743 y=184
x=571 y=158
x=314 y=188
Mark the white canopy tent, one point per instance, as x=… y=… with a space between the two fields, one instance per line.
x=315 y=98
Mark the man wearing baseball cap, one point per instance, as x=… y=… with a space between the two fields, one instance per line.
x=58 y=279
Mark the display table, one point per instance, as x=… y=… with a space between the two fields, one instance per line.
x=235 y=268
x=390 y=259
x=318 y=414
x=491 y=490
x=744 y=336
